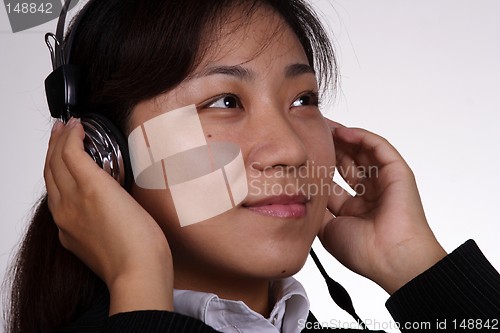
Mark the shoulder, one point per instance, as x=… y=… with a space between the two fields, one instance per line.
x=96 y=319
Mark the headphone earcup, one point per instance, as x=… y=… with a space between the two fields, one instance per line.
x=107 y=147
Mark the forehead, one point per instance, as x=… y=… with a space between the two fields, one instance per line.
x=244 y=36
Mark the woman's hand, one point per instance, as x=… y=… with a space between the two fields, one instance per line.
x=381 y=233
x=105 y=227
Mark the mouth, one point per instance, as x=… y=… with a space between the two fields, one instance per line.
x=282 y=206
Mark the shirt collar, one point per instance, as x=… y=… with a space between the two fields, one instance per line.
x=227 y=316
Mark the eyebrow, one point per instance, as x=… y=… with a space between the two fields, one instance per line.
x=240 y=72
x=236 y=71
x=298 y=69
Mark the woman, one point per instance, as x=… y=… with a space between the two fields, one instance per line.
x=249 y=69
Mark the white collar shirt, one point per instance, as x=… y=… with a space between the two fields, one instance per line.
x=227 y=316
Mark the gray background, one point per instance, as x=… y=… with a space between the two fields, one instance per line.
x=424 y=74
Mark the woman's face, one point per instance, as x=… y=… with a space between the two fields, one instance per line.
x=254 y=87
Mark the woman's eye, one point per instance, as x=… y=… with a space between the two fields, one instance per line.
x=226 y=102
x=309 y=99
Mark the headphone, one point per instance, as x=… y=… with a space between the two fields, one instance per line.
x=103 y=141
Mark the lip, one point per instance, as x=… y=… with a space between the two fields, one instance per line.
x=282 y=206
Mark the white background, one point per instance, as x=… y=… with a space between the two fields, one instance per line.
x=424 y=74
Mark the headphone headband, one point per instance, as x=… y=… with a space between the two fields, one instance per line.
x=62 y=84
x=103 y=141
x=60 y=34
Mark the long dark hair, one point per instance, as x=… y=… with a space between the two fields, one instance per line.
x=130 y=51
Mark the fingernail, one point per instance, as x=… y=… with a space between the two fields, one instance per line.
x=56 y=125
x=72 y=122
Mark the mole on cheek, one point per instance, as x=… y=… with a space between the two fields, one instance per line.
x=209 y=135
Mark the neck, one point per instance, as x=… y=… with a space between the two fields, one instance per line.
x=255 y=293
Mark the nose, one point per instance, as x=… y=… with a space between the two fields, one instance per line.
x=276 y=143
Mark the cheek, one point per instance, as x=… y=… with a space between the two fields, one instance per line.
x=318 y=141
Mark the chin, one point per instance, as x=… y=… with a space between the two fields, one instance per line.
x=279 y=263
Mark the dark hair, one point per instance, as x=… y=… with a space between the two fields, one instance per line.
x=130 y=51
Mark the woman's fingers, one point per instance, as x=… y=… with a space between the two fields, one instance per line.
x=352 y=156
x=338 y=195
x=61 y=153
x=67 y=167
x=378 y=232
x=362 y=158
x=101 y=223
x=333 y=124
x=50 y=184
x=78 y=162
x=364 y=147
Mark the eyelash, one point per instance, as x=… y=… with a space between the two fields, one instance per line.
x=212 y=101
x=314 y=100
